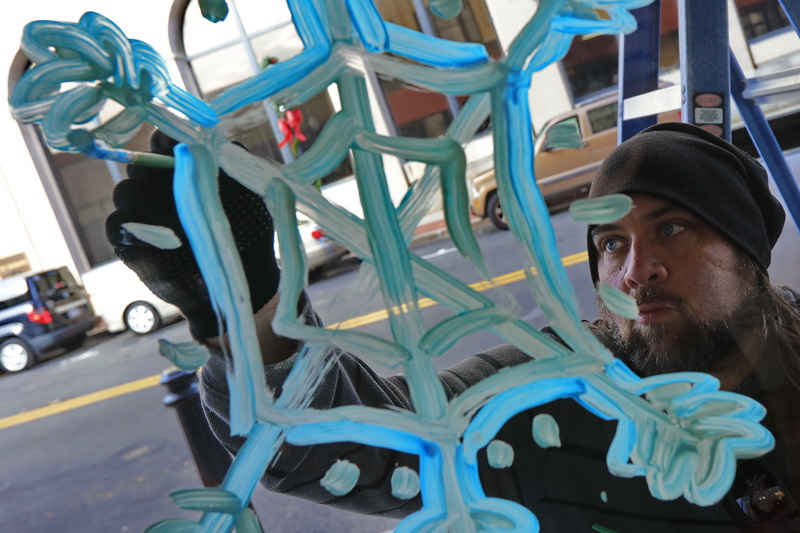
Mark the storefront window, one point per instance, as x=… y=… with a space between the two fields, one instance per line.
x=415 y=111
x=269 y=37
x=591 y=65
x=760 y=17
x=87 y=186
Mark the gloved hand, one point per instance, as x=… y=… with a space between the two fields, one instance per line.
x=173 y=275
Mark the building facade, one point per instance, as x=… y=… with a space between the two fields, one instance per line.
x=53 y=205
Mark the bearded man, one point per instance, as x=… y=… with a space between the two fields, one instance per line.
x=693 y=252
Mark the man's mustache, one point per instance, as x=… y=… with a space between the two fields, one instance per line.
x=650 y=295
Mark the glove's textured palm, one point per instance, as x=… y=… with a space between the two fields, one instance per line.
x=172 y=274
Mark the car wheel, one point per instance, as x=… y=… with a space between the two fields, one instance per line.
x=495 y=212
x=15 y=355
x=141 y=318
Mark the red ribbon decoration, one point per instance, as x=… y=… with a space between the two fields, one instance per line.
x=290 y=127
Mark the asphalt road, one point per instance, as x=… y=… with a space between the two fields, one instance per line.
x=108 y=460
x=87 y=446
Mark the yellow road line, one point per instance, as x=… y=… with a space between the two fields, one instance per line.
x=499 y=281
x=152 y=381
x=80 y=401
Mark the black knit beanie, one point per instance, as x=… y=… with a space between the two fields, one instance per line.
x=702 y=173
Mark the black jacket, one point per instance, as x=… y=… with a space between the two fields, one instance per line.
x=568 y=488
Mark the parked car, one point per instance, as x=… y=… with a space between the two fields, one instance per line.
x=124 y=302
x=567 y=153
x=320 y=250
x=39 y=312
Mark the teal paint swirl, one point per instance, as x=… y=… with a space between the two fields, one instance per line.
x=77 y=68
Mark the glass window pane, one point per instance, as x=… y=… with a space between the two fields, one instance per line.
x=603 y=118
x=591 y=64
x=87 y=187
x=280 y=43
x=416 y=112
x=400 y=12
x=759 y=17
x=250 y=126
x=257 y=15
x=256 y=134
x=669 y=54
x=200 y=35
x=221 y=69
x=472 y=25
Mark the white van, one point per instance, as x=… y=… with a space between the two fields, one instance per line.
x=121 y=299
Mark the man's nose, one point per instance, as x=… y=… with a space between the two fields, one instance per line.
x=645 y=266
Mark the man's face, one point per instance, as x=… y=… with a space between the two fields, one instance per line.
x=687 y=279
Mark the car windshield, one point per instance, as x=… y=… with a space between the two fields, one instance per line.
x=54 y=285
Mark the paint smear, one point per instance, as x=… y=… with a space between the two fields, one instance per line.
x=500 y=454
x=405 y=483
x=184 y=355
x=546 y=432
x=341 y=477
x=157 y=236
x=617 y=301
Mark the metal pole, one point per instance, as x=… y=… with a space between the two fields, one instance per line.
x=767 y=145
x=705 y=65
x=210 y=456
x=638 y=66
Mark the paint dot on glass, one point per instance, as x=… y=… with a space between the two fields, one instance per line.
x=546 y=432
x=604 y=496
x=158 y=236
x=405 y=483
x=500 y=454
x=340 y=478
x=617 y=301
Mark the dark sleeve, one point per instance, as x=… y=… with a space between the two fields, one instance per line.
x=297 y=470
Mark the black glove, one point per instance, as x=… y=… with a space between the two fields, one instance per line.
x=173 y=275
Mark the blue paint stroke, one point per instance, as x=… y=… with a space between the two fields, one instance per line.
x=679 y=431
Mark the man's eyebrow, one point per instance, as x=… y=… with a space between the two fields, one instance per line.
x=666 y=210
x=653 y=215
x=603 y=228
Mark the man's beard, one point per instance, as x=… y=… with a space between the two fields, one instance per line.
x=698 y=346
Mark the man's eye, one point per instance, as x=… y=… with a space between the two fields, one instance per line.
x=672 y=228
x=610 y=245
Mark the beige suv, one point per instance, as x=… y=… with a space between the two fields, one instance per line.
x=562 y=173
